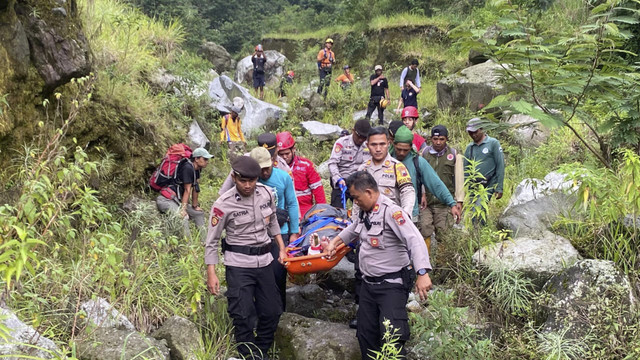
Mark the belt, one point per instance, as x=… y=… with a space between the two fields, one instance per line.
x=377 y=279
x=249 y=250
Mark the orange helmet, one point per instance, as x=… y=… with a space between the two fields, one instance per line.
x=285 y=140
x=409 y=111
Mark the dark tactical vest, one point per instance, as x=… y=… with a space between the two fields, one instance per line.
x=444 y=166
x=411 y=75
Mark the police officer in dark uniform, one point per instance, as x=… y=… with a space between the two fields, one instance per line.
x=390 y=243
x=248 y=213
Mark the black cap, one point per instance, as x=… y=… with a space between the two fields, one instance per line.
x=246 y=167
x=362 y=127
x=394 y=126
x=268 y=141
x=439 y=130
x=414 y=62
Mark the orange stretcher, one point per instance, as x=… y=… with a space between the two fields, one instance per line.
x=315 y=263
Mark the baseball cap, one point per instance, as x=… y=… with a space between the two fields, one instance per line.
x=262 y=156
x=201 y=152
x=268 y=141
x=362 y=128
x=394 y=126
x=439 y=130
x=246 y=167
x=378 y=67
x=474 y=124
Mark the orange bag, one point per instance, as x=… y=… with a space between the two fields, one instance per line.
x=315 y=263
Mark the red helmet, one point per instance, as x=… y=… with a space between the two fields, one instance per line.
x=285 y=140
x=409 y=111
x=291 y=73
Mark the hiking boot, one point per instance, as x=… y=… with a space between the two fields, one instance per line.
x=353 y=324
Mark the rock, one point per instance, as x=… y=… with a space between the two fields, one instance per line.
x=536 y=257
x=532 y=189
x=14 y=41
x=321 y=131
x=414 y=306
x=470 y=88
x=24 y=340
x=257 y=113
x=300 y=338
x=323 y=170
x=576 y=297
x=476 y=56
x=315 y=101
x=361 y=114
x=304 y=113
x=218 y=56
x=116 y=344
x=273 y=69
x=59 y=49
x=197 y=137
x=182 y=337
x=162 y=80
x=527 y=131
x=60 y=11
x=101 y=314
x=305 y=300
x=341 y=277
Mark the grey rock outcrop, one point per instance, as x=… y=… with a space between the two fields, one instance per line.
x=218 y=56
x=470 y=88
x=99 y=313
x=197 y=137
x=341 y=277
x=162 y=80
x=301 y=338
x=320 y=131
x=23 y=340
x=576 y=296
x=305 y=300
x=536 y=257
x=116 y=344
x=527 y=131
x=182 y=337
x=273 y=69
x=532 y=189
x=256 y=113
x=323 y=170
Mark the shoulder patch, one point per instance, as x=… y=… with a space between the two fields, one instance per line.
x=398 y=217
x=214 y=220
x=450 y=157
x=217 y=212
x=402 y=174
x=338 y=147
x=368 y=162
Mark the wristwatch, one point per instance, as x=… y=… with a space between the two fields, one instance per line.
x=422 y=271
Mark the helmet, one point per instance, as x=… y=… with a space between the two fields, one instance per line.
x=410 y=111
x=384 y=103
x=285 y=140
x=258 y=47
x=329 y=40
x=291 y=73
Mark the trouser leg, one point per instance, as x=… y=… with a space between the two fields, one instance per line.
x=322 y=74
x=442 y=218
x=171 y=207
x=198 y=218
x=268 y=307
x=425 y=222
x=370 y=107
x=380 y=302
x=241 y=288
x=279 y=271
x=380 y=114
x=358 y=275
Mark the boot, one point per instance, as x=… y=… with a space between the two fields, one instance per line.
x=427 y=241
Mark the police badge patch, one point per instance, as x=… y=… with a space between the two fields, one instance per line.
x=374 y=242
x=450 y=157
x=398 y=217
x=214 y=220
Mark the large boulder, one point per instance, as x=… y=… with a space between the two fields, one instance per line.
x=527 y=131
x=256 y=113
x=305 y=299
x=536 y=257
x=99 y=313
x=301 y=338
x=116 y=344
x=182 y=337
x=532 y=189
x=273 y=69
x=471 y=88
x=320 y=131
x=23 y=340
x=323 y=171
x=218 y=56
x=578 y=296
x=197 y=137
x=341 y=277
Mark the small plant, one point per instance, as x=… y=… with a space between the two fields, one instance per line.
x=557 y=346
x=390 y=346
x=509 y=291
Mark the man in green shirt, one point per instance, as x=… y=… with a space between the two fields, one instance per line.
x=488 y=152
x=422 y=174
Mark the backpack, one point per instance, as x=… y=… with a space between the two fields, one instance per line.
x=166 y=173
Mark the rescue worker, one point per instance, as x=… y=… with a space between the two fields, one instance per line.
x=348 y=153
x=422 y=174
x=448 y=164
x=392 y=254
x=248 y=214
x=269 y=142
x=379 y=92
x=231 y=133
x=307 y=181
x=186 y=187
x=345 y=79
x=286 y=83
x=408 y=96
x=410 y=119
x=412 y=73
x=488 y=152
x=326 y=58
x=287 y=212
x=259 y=60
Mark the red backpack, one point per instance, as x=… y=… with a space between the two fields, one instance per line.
x=166 y=173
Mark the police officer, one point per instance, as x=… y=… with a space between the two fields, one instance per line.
x=390 y=243
x=248 y=214
x=348 y=153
